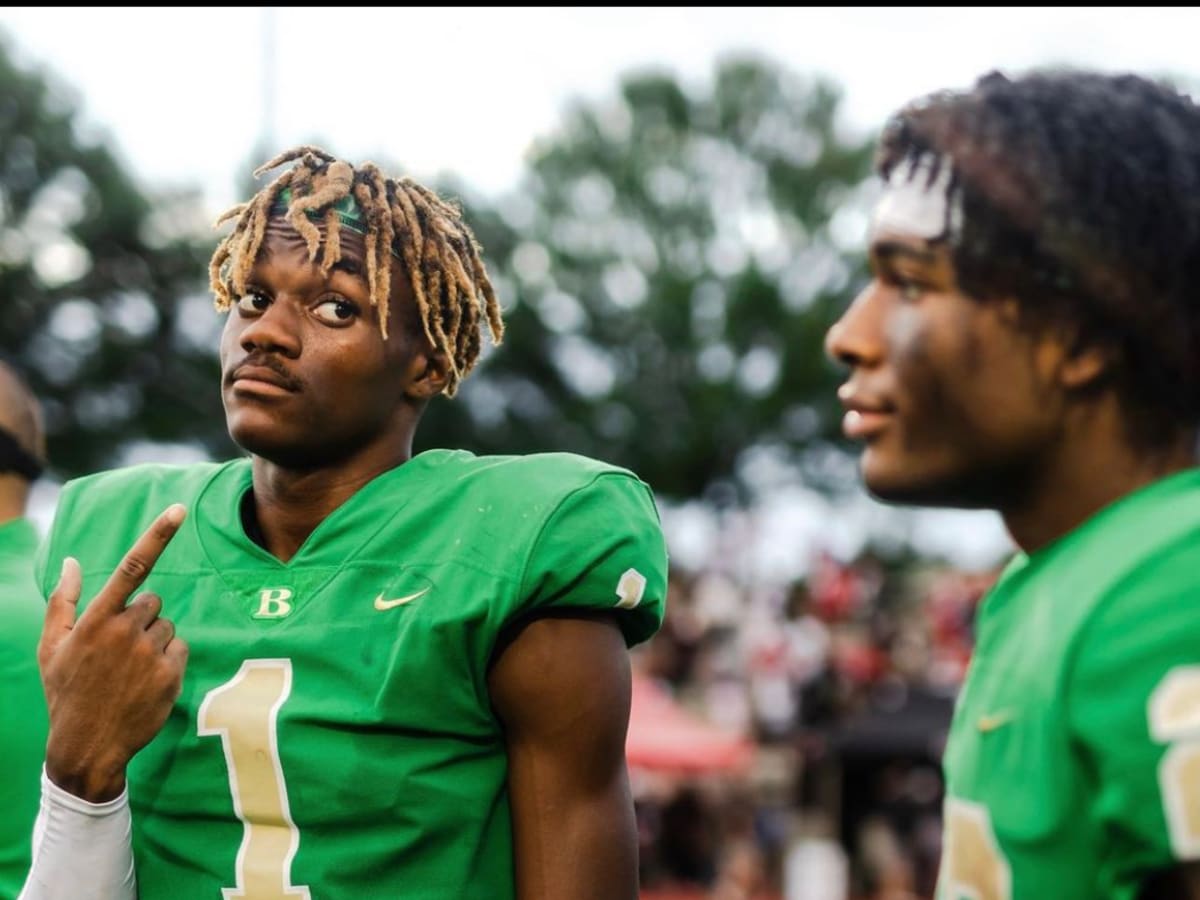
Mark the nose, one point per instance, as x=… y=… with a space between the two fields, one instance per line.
x=275 y=330
x=856 y=339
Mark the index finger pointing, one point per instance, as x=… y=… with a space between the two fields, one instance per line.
x=60 y=609
x=137 y=563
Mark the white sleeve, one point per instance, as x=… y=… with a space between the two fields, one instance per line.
x=81 y=850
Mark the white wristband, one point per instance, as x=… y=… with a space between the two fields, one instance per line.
x=81 y=850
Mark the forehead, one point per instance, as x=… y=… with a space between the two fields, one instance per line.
x=281 y=237
x=919 y=201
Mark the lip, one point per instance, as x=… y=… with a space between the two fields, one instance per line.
x=864 y=424
x=260 y=380
x=866 y=415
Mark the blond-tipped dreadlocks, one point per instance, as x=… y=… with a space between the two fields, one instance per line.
x=397 y=217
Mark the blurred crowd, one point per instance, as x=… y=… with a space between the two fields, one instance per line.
x=843 y=683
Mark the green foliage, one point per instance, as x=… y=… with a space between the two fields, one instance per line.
x=669 y=273
x=668 y=267
x=92 y=278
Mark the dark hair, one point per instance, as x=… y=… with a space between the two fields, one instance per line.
x=403 y=219
x=1080 y=198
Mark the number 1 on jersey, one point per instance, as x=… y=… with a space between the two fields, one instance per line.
x=243 y=713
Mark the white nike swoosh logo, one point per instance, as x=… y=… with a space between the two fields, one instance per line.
x=380 y=603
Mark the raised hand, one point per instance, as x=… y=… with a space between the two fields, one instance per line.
x=112 y=675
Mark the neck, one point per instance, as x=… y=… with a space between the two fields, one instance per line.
x=1098 y=467
x=290 y=503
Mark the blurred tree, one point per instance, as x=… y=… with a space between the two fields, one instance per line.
x=670 y=266
x=103 y=291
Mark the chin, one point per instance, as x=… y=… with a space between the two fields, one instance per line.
x=288 y=448
x=265 y=439
x=285 y=456
x=913 y=486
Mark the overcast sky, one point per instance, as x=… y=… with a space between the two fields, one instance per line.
x=183 y=93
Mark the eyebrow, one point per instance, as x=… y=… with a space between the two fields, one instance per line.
x=347 y=265
x=350 y=266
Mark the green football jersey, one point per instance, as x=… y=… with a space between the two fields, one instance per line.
x=1073 y=763
x=334 y=737
x=22 y=704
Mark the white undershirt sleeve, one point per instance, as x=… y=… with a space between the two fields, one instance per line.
x=81 y=850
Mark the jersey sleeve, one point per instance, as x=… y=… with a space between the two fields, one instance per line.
x=601 y=549
x=98 y=517
x=48 y=560
x=41 y=563
x=1134 y=712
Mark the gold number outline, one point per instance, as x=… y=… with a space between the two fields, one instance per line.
x=1173 y=713
x=243 y=712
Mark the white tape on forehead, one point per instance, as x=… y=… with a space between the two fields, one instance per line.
x=912 y=204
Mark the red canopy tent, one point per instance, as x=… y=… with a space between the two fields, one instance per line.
x=665 y=737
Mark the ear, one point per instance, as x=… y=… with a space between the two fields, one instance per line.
x=1062 y=355
x=1084 y=366
x=429 y=371
x=1077 y=362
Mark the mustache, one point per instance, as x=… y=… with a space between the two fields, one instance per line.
x=265 y=361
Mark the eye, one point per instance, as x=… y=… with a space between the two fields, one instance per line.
x=253 y=303
x=336 y=311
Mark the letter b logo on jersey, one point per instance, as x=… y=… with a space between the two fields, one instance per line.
x=273 y=603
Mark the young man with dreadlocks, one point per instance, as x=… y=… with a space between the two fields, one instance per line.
x=407 y=675
x=1030 y=343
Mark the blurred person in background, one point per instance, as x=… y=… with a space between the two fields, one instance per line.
x=1030 y=343
x=22 y=705
x=407 y=675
